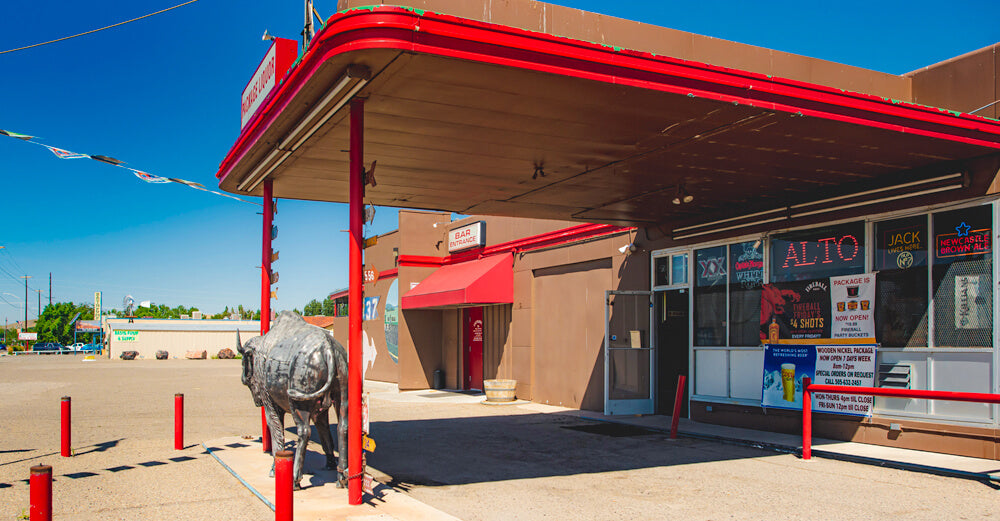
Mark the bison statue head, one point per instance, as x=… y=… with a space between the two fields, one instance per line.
x=247 y=352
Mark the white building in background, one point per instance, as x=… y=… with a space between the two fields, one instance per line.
x=175 y=336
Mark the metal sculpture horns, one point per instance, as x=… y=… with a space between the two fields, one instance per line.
x=299 y=369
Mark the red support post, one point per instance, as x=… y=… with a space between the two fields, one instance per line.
x=355 y=304
x=65 y=416
x=40 y=494
x=283 y=498
x=806 y=418
x=265 y=265
x=678 y=398
x=265 y=439
x=265 y=290
x=179 y=421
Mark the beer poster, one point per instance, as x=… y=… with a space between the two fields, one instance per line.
x=785 y=365
x=784 y=368
x=794 y=311
x=853 y=300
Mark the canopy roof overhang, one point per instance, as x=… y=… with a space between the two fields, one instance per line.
x=478 y=118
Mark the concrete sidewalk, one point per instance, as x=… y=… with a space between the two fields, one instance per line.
x=905 y=459
x=319 y=499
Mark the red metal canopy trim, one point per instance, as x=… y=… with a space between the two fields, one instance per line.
x=559 y=237
x=443 y=35
x=489 y=280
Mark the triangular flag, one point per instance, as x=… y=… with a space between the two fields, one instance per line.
x=192 y=184
x=108 y=160
x=149 y=178
x=15 y=134
x=65 y=154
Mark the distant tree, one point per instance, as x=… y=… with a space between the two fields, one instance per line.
x=162 y=311
x=329 y=307
x=54 y=325
x=313 y=308
x=296 y=311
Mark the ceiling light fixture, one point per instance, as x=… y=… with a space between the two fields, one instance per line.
x=682 y=196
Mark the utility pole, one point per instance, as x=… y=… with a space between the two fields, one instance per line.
x=26 y=277
x=39 y=302
x=50 y=288
x=308 y=31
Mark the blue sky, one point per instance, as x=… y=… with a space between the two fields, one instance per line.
x=163 y=94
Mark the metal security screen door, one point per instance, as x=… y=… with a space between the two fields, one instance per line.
x=628 y=353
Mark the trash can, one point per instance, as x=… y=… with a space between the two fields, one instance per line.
x=438 y=379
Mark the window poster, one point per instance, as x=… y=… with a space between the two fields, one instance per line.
x=849 y=365
x=971 y=311
x=791 y=312
x=853 y=300
x=784 y=368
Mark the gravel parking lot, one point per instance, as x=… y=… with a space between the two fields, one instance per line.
x=125 y=466
x=473 y=461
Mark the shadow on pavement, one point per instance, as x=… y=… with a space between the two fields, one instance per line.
x=455 y=451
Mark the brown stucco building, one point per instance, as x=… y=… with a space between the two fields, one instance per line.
x=662 y=199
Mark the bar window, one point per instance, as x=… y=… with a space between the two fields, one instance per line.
x=661 y=271
x=710 y=296
x=963 y=277
x=901 y=301
x=746 y=276
x=679 y=266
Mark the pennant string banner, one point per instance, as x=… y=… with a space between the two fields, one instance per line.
x=145 y=176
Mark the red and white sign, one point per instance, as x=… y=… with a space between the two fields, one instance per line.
x=467 y=237
x=27 y=336
x=276 y=62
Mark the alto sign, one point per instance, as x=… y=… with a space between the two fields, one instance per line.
x=467 y=237
x=276 y=62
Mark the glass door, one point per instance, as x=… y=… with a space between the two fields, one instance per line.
x=628 y=353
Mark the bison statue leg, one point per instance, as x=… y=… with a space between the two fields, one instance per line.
x=340 y=402
x=301 y=417
x=275 y=424
x=322 y=421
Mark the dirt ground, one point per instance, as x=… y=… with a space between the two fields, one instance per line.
x=473 y=461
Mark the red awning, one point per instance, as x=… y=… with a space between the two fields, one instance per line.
x=484 y=281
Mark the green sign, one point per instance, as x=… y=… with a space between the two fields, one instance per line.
x=125 y=335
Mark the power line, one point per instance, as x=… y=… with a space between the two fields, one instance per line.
x=97 y=30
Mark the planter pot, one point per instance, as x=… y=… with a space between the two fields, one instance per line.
x=500 y=390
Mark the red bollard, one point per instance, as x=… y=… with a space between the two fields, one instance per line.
x=67 y=451
x=40 y=484
x=265 y=432
x=678 y=398
x=283 y=500
x=807 y=427
x=179 y=421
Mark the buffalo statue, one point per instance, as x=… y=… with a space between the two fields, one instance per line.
x=300 y=369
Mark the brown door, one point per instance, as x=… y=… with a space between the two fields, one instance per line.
x=472 y=333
